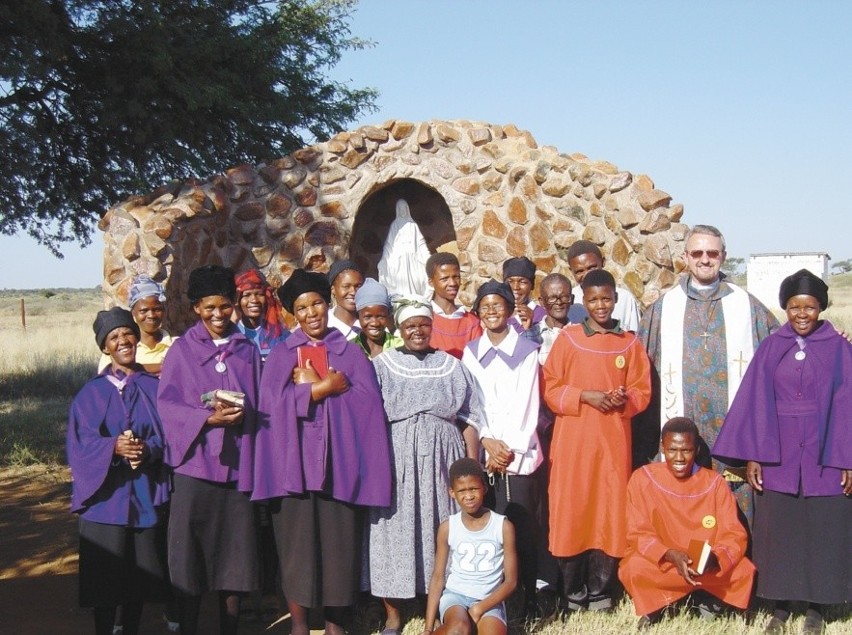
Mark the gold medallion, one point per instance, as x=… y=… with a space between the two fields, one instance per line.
x=708 y=522
x=619 y=361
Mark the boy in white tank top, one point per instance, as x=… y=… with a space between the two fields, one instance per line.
x=479 y=547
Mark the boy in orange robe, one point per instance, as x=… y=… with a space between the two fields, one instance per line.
x=453 y=326
x=595 y=379
x=668 y=505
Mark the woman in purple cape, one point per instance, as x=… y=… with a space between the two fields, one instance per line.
x=790 y=423
x=115 y=449
x=321 y=455
x=212 y=544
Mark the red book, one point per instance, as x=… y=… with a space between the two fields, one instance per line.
x=699 y=552
x=318 y=357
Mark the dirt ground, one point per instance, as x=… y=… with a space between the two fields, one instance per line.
x=38 y=564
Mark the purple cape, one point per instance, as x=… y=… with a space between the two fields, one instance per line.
x=750 y=431
x=359 y=450
x=104 y=486
x=192 y=447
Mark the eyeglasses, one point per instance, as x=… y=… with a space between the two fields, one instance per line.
x=565 y=298
x=712 y=254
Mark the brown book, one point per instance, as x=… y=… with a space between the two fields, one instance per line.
x=318 y=357
x=699 y=552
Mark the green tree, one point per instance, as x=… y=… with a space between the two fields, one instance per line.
x=734 y=267
x=842 y=266
x=101 y=99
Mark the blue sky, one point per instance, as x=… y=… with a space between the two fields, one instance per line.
x=742 y=111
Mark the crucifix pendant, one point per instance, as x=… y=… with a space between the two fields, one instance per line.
x=705 y=335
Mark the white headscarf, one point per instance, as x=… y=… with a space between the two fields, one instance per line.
x=409 y=307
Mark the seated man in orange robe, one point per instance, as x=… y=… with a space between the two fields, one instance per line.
x=668 y=505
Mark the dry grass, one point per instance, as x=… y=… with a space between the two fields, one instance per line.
x=839 y=311
x=681 y=622
x=41 y=369
x=58 y=331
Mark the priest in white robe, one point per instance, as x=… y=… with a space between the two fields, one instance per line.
x=700 y=336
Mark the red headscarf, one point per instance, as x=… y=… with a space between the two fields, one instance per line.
x=254 y=279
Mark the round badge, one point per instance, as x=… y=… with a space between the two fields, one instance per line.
x=220 y=367
x=800 y=355
x=708 y=522
x=619 y=361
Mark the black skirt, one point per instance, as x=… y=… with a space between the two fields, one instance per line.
x=120 y=565
x=212 y=539
x=803 y=547
x=319 y=549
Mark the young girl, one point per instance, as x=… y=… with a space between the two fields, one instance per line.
x=505 y=363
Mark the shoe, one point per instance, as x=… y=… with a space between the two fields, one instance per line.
x=813 y=625
x=775 y=626
x=117 y=629
x=644 y=623
x=602 y=606
x=706 y=605
x=709 y=612
x=390 y=631
x=171 y=627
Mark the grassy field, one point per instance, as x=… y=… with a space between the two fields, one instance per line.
x=43 y=367
x=839 y=311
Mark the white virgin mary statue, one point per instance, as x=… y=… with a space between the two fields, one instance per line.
x=402 y=268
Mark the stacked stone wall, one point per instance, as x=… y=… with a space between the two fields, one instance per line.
x=504 y=196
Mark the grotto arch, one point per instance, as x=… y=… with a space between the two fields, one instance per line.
x=487 y=192
x=377 y=211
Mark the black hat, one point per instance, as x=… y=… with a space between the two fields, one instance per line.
x=803 y=282
x=521 y=266
x=301 y=281
x=107 y=321
x=211 y=280
x=498 y=288
x=339 y=267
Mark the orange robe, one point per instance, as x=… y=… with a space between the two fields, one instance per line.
x=590 y=452
x=664 y=513
x=452 y=334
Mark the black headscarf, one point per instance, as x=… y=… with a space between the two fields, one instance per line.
x=521 y=266
x=803 y=282
x=339 y=267
x=108 y=321
x=498 y=288
x=211 y=280
x=301 y=281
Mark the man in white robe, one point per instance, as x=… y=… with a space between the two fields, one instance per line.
x=700 y=336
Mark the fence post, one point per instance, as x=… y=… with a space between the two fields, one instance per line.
x=23 y=314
